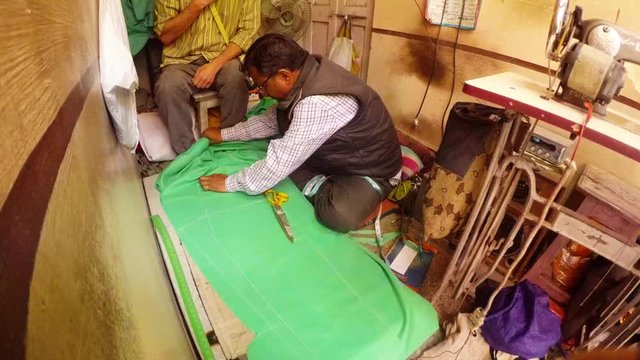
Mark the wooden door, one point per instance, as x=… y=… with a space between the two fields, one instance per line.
x=326 y=18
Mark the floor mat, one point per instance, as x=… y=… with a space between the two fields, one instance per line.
x=321 y=297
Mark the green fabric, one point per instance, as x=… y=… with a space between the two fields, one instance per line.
x=321 y=297
x=265 y=104
x=140 y=19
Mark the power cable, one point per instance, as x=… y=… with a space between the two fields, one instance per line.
x=453 y=82
x=456 y=353
x=435 y=56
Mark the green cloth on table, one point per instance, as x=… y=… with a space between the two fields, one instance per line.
x=260 y=108
x=321 y=297
x=140 y=19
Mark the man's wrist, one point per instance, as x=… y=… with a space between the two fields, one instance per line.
x=230 y=184
x=218 y=62
x=224 y=132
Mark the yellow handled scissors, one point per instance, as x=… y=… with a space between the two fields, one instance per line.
x=276 y=199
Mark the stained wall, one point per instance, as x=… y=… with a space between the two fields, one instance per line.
x=510 y=36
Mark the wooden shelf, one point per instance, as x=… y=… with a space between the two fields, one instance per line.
x=541 y=273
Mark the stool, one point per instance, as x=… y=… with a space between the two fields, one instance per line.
x=204 y=100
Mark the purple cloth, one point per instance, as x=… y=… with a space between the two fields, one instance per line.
x=520 y=322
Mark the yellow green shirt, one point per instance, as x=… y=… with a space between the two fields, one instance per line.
x=241 y=19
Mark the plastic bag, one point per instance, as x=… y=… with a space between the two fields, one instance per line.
x=520 y=322
x=570 y=264
x=343 y=51
x=117 y=73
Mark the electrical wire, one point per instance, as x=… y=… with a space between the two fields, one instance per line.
x=453 y=82
x=589 y=107
x=456 y=353
x=435 y=56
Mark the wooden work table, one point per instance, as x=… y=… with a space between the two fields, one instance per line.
x=521 y=94
x=618 y=133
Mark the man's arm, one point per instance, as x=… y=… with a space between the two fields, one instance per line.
x=206 y=74
x=315 y=120
x=257 y=127
x=248 y=25
x=170 y=27
x=240 y=41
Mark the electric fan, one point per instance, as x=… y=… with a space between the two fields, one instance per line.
x=286 y=17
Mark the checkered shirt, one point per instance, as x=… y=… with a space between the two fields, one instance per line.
x=315 y=119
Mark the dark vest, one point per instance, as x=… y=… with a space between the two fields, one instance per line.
x=367 y=145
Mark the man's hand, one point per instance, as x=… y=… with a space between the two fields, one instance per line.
x=205 y=75
x=215 y=182
x=174 y=27
x=213 y=134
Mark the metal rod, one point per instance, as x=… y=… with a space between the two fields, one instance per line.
x=620 y=298
x=620 y=334
x=525 y=246
x=493 y=164
x=509 y=242
x=498 y=210
x=472 y=244
x=612 y=318
x=349 y=15
x=486 y=223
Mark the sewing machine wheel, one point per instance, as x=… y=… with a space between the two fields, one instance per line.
x=561 y=30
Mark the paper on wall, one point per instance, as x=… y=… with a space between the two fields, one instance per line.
x=452 y=11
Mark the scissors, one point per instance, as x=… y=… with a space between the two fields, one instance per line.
x=276 y=199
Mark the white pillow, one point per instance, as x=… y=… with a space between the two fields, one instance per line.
x=154 y=137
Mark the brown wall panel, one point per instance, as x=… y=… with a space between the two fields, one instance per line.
x=81 y=276
x=98 y=279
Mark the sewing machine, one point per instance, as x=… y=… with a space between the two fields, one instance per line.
x=591 y=69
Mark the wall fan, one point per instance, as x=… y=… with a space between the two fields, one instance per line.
x=287 y=17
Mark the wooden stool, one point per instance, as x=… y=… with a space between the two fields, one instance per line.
x=204 y=100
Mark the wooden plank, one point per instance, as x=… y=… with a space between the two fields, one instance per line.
x=541 y=273
x=599 y=239
x=233 y=336
x=612 y=191
x=216 y=317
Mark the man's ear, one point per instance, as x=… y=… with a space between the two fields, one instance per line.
x=286 y=75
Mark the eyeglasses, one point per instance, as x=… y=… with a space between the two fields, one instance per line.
x=260 y=88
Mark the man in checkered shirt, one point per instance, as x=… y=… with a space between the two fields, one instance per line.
x=330 y=133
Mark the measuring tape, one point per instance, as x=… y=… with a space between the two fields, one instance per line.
x=218 y=20
x=183 y=288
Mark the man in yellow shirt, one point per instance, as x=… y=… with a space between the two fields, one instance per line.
x=196 y=56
